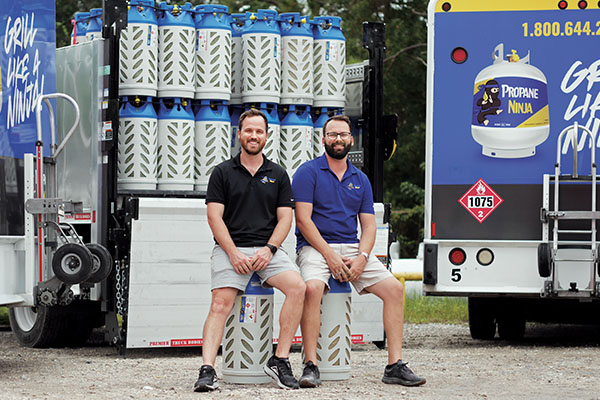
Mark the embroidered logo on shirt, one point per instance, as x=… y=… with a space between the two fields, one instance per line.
x=352 y=186
x=264 y=179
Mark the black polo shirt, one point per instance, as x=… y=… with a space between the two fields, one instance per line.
x=250 y=201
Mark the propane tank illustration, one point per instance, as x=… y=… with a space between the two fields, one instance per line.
x=510 y=107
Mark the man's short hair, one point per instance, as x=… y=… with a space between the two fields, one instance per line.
x=253 y=112
x=337 y=118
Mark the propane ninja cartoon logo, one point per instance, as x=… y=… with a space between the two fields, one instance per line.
x=510 y=107
x=489 y=103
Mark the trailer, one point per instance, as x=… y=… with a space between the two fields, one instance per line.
x=76 y=251
x=512 y=132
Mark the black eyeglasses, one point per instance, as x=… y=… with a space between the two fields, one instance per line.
x=334 y=135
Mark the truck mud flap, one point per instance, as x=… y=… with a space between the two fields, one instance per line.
x=430 y=270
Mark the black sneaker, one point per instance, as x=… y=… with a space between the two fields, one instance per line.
x=399 y=373
x=280 y=370
x=310 y=376
x=207 y=381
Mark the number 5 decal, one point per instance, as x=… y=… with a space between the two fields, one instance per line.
x=456 y=276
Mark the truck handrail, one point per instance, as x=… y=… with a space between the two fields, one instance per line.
x=55 y=151
x=575 y=128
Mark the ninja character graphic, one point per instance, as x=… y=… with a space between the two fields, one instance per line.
x=489 y=103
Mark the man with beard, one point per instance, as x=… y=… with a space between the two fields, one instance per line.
x=330 y=194
x=249 y=209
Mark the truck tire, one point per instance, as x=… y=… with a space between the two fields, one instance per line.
x=511 y=327
x=56 y=326
x=72 y=263
x=482 y=319
x=80 y=320
x=544 y=260
x=36 y=326
x=101 y=262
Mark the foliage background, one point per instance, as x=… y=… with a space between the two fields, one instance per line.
x=404 y=84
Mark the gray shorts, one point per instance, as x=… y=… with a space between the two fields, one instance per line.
x=313 y=266
x=223 y=275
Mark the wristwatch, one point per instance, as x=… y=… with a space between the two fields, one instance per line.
x=365 y=254
x=271 y=247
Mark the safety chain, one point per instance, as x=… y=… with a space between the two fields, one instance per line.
x=121 y=286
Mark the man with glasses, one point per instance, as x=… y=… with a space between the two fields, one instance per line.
x=330 y=195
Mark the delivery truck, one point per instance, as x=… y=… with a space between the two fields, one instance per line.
x=512 y=132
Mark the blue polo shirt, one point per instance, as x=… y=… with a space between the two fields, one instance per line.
x=336 y=204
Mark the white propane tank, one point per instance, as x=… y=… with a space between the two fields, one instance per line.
x=296 y=138
x=334 y=344
x=139 y=51
x=94 y=25
x=176 y=51
x=80 y=23
x=248 y=335
x=211 y=143
x=237 y=22
x=329 y=62
x=510 y=107
x=296 y=59
x=213 y=52
x=175 y=145
x=138 y=137
x=261 y=67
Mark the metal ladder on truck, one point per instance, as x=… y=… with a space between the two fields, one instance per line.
x=586 y=251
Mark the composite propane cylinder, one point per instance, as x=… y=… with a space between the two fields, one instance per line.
x=296 y=59
x=236 y=22
x=80 y=20
x=94 y=25
x=296 y=138
x=211 y=140
x=176 y=51
x=329 y=62
x=175 y=145
x=510 y=107
x=261 y=47
x=138 y=122
x=213 y=52
x=273 y=145
x=138 y=46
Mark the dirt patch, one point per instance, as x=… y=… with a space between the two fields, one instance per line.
x=554 y=361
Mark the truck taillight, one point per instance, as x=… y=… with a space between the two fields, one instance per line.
x=457 y=256
x=582 y=4
x=562 y=4
x=459 y=55
x=446 y=6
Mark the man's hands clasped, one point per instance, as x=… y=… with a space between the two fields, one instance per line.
x=244 y=264
x=345 y=269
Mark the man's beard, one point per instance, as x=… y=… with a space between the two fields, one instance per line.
x=255 y=152
x=339 y=154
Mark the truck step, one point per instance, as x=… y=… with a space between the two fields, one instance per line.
x=573 y=215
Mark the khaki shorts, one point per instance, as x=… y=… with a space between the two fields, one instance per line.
x=223 y=274
x=313 y=266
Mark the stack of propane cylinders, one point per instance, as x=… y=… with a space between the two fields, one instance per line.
x=186 y=75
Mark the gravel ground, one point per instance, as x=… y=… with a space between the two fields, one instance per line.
x=553 y=362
